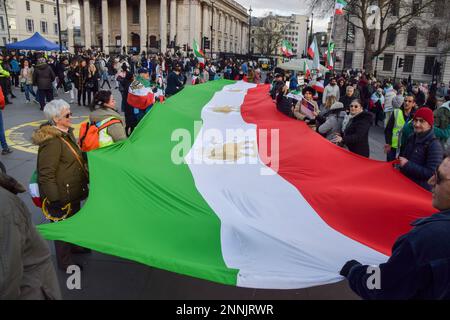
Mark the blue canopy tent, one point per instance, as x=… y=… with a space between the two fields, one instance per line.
x=35 y=42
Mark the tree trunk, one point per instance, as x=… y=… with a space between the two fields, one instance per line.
x=368 y=56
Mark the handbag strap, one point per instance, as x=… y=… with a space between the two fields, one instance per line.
x=76 y=156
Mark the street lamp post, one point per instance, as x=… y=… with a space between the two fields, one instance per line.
x=249 y=29
x=7 y=21
x=306 y=39
x=212 y=27
x=59 y=26
x=312 y=21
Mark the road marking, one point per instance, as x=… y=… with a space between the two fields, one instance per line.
x=17 y=136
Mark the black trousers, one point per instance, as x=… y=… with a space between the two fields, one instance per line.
x=45 y=95
x=4 y=86
x=81 y=93
x=63 y=249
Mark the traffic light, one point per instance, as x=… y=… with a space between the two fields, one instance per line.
x=184 y=47
x=400 y=62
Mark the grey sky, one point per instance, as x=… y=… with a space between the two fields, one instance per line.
x=282 y=7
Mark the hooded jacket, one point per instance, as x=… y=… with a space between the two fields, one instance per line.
x=333 y=122
x=26 y=269
x=60 y=175
x=43 y=76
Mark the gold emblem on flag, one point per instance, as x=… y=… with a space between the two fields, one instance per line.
x=233 y=151
x=226 y=109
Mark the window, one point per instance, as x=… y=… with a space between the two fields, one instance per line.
x=387 y=62
x=27 y=5
x=433 y=38
x=30 y=25
x=390 y=36
x=44 y=28
x=348 y=60
x=55 y=28
x=118 y=41
x=4 y=41
x=136 y=15
x=395 y=9
x=42 y=8
x=14 y=39
x=55 y=11
x=416 y=6
x=412 y=37
x=429 y=64
x=408 y=64
x=2 y=23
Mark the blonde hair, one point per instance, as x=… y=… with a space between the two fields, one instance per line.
x=330 y=101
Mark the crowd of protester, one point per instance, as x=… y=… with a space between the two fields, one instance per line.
x=342 y=108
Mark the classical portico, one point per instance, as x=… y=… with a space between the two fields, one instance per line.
x=153 y=25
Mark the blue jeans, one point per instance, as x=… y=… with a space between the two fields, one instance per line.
x=2 y=133
x=29 y=89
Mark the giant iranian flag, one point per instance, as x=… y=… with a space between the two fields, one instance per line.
x=217 y=184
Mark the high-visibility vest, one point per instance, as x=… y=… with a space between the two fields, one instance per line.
x=104 y=139
x=398 y=126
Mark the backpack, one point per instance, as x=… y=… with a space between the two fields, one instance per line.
x=89 y=134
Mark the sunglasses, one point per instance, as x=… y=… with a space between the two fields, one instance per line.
x=354 y=106
x=439 y=178
x=67 y=116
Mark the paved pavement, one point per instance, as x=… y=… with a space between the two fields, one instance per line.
x=108 y=277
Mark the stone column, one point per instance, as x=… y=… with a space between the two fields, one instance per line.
x=87 y=24
x=173 y=19
x=143 y=24
x=123 y=24
x=105 y=26
x=163 y=25
x=205 y=21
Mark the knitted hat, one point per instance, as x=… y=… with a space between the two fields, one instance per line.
x=426 y=114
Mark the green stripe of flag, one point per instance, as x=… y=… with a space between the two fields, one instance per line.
x=143 y=207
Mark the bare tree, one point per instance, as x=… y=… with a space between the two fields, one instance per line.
x=268 y=35
x=394 y=16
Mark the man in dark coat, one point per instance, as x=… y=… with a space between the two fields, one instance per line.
x=43 y=77
x=174 y=84
x=423 y=152
x=419 y=267
x=277 y=84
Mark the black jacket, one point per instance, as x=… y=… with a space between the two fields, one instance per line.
x=174 y=84
x=424 y=153
x=356 y=135
x=419 y=267
x=43 y=76
x=284 y=105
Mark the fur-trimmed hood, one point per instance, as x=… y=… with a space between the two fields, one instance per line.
x=45 y=133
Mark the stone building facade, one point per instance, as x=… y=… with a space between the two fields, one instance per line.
x=153 y=25
x=423 y=45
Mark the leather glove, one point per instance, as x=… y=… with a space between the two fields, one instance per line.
x=347 y=267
